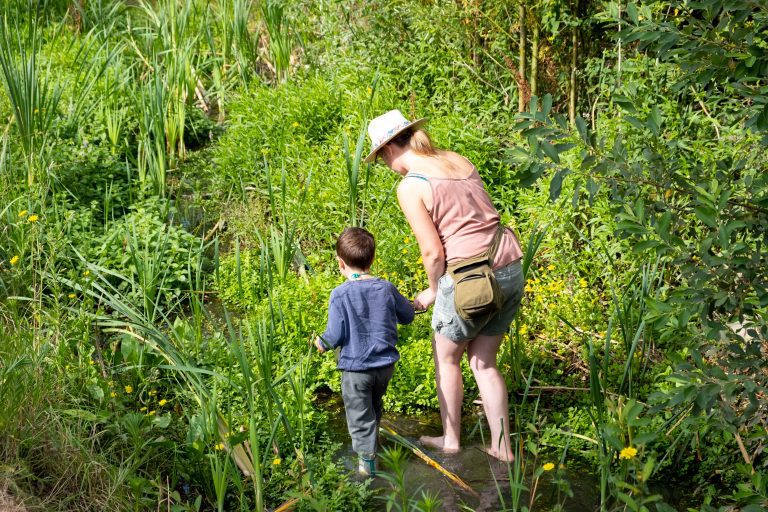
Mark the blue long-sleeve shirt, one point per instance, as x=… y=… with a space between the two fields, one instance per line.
x=362 y=321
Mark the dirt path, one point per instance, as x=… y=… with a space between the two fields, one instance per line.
x=8 y=503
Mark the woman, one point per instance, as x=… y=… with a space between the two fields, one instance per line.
x=452 y=218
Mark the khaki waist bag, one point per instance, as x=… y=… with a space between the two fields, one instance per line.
x=475 y=290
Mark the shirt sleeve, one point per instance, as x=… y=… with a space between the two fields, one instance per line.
x=334 y=330
x=403 y=307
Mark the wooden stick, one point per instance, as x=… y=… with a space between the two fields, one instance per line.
x=430 y=461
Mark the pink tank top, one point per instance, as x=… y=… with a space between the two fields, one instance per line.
x=466 y=219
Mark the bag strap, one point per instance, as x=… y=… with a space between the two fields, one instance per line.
x=484 y=257
x=494 y=248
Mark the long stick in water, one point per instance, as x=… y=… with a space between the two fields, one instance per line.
x=429 y=460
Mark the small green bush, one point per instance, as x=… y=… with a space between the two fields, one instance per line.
x=147 y=237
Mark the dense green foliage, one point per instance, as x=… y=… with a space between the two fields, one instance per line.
x=173 y=175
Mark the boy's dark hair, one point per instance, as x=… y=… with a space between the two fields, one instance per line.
x=356 y=247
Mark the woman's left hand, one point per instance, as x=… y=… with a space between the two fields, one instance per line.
x=424 y=299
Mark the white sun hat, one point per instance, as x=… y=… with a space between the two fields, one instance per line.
x=385 y=128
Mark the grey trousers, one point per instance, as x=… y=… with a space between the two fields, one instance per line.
x=363 y=394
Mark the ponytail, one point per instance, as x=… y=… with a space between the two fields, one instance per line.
x=421 y=143
x=417 y=140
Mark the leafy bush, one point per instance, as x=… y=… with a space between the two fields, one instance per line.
x=147 y=248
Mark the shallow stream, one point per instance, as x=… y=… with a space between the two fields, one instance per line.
x=487 y=477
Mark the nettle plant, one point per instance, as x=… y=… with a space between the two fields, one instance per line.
x=697 y=204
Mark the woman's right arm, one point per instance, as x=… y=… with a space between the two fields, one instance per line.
x=410 y=196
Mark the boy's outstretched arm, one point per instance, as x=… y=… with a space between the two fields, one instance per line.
x=334 y=330
x=403 y=308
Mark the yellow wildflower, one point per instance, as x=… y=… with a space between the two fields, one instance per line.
x=583 y=282
x=405 y=251
x=33 y=218
x=219 y=446
x=162 y=402
x=277 y=461
x=295 y=124
x=142 y=409
x=407 y=240
x=419 y=261
x=151 y=413
x=152 y=392
x=628 y=452
x=23 y=213
x=523 y=330
x=528 y=288
x=548 y=466
x=14 y=260
x=550 y=267
x=71 y=295
x=264 y=151
x=129 y=389
x=113 y=394
x=111 y=383
x=86 y=273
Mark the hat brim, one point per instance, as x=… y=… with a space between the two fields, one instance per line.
x=372 y=155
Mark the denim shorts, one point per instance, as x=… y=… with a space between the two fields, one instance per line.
x=447 y=322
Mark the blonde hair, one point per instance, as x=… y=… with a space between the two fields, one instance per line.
x=417 y=140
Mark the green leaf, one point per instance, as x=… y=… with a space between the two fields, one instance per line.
x=628 y=500
x=625 y=103
x=161 y=421
x=81 y=414
x=550 y=151
x=644 y=245
x=533 y=106
x=706 y=215
x=654 y=120
x=556 y=185
x=581 y=126
x=632 y=12
x=761 y=121
x=635 y=122
x=644 y=438
x=662 y=226
x=546 y=104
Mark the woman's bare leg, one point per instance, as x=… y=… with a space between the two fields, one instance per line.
x=493 y=390
x=450 y=392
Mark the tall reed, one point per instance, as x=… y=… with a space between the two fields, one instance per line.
x=353 y=164
x=281 y=246
x=516 y=345
x=280 y=35
x=238 y=49
x=36 y=92
x=33 y=94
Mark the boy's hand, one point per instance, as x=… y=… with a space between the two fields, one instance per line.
x=319 y=344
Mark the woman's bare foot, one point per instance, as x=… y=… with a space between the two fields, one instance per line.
x=508 y=457
x=438 y=443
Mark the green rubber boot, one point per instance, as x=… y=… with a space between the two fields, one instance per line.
x=367 y=466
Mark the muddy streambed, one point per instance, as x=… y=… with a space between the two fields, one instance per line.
x=487 y=477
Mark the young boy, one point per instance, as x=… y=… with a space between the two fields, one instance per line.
x=362 y=320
